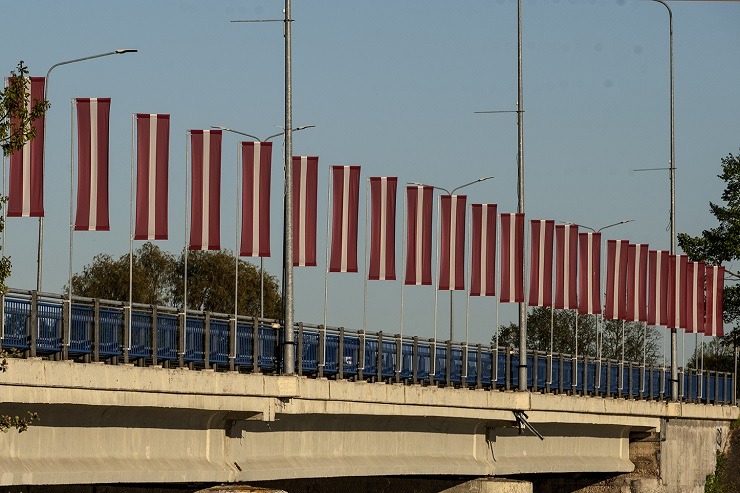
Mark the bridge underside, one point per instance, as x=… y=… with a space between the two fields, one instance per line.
x=118 y=424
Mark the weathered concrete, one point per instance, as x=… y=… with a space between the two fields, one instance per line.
x=117 y=424
x=492 y=485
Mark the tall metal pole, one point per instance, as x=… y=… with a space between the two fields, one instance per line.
x=520 y=196
x=288 y=346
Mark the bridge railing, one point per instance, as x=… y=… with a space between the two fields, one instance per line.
x=42 y=324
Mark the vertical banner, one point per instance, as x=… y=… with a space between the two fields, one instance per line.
x=483 y=250
x=715 y=278
x=695 y=274
x=512 y=258
x=589 y=273
x=452 y=243
x=305 y=189
x=540 y=265
x=383 y=228
x=152 y=163
x=637 y=266
x=566 y=283
x=658 y=287
x=419 y=200
x=677 y=291
x=345 y=204
x=93 y=116
x=256 y=179
x=26 y=193
x=617 y=252
x=205 y=203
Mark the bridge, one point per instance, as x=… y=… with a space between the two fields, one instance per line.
x=148 y=395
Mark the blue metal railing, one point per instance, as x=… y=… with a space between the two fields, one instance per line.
x=109 y=331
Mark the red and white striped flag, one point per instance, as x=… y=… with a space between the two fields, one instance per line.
x=695 y=274
x=419 y=235
x=540 y=266
x=677 y=291
x=566 y=250
x=382 y=228
x=616 y=279
x=93 y=116
x=658 y=287
x=589 y=273
x=26 y=194
x=714 y=325
x=452 y=243
x=305 y=189
x=256 y=173
x=345 y=200
x=483 y=250
x=205 y=205
x=512 y=257
x=637 y=266
x=152 y=161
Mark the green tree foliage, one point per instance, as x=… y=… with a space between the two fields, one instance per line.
x=721 y=244
x=563 y=335
x=158 y=280
x=716 y=356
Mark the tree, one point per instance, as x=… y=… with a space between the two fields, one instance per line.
x=721 y=245
x=538 y=336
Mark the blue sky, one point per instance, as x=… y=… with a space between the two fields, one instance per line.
x=393 y=86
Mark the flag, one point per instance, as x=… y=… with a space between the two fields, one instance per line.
x=589 y=273
x=540 y=266
x=452 y=243
x=715 y=287
x=616 y=279
x=512 y=257
x=483 y=250
x=93 y=116
x=677 y=291
x=205 y=205
x=419 y=235
x=566 y=249
x=346 y=196
x=256 y=173
x=695 y=274
x=658 y=287
x=637 y=262
x=305 y=189
x=152 y=158
x=26 y=194
x=382 y=228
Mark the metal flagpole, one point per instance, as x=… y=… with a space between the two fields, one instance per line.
x=520 y=205
x=236 y=240
x=436 y=293
x=552 y=331
x=574 y=383
x=497 y=261
x=644 y=354
x=185 y=273
x=326 y=272
x=364 y=293
x=404 y=236
x=71 y=203
x=467 y=294
x=621 y=366
x=131 y=227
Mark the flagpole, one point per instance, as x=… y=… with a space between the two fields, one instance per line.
x=131 y=226
x=404 y=239
x=236 y=242
x=467 y=293
x=71 y=204
x=436 y=294
x=185 y=273
x=326 y=271
x=497 y=261
x=574 y=383
x=365 y=276
x=621 y=368
x=644 y=353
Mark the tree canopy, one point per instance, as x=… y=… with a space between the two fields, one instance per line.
x=158 y=279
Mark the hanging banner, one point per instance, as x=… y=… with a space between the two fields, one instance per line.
x=637 y=266
x=512 y=258
x=540 y=266
x=695 y=303
x=205 y=203
x=345 y=200
x=419 y=235
x=616 y=279
x=483 y=250
x=93 y=116
x=566 y=282
x=452 y=243
x=589 y=273
x=256 y=178
x=658 y=287
x=152 y=163
x=715 y=278
x=677 y=291
x=305 y=190
x=382 y=228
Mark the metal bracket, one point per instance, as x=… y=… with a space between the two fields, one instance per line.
x=521 y=420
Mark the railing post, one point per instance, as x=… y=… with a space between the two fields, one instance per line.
x=585 y=376
x=415 y=361
x=507 y=370
x=96 y=330
x=361 y=363
x=608 y=377
x=340 y=355
x=716 y=387
x=255 y=345
x=432 y=360
x=597 y=377
x=153 y=337
x=33 y=324
x=299 y=355
x=620 y=379
x=535 y=370
x=232 y=344
x=379 y=362
x=464 y=367
x=322 y=350
x=561 y=374
x=448 y=368
x=651 y=385
x=574 y=374
x=681 y=384
x=662 y=383
x=126 y=342
x=207 y=340
x=548 y=369
x=399 y=357
x=630 y=381
x=479 y=367
x=66 y=331
x=180 y=339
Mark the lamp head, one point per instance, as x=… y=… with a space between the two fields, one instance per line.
x=126 y=50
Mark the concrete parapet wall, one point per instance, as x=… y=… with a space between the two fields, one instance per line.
x=106 y=424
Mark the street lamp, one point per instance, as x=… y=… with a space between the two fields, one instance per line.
x=121 y=51
x=452 y=291
x=625 y=221
x=236 y=251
